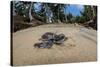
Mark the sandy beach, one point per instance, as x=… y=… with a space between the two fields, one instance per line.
x=81 y=45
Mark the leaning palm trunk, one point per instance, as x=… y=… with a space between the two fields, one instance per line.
x=30 y=14
x=46 y=13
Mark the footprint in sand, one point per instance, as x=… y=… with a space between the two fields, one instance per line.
x=72 y=45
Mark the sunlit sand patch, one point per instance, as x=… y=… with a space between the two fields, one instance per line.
x=74 y=49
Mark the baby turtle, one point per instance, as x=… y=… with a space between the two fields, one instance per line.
x=44 y=44
x=59 y=39
x=47 y=36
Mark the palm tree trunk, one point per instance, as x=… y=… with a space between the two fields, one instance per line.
x=30 y=13
x=14 y=13
x=93 y=10
x=65 y=15
x=58 y=15
x=46 y=13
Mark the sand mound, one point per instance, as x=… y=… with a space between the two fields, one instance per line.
x=81 y=45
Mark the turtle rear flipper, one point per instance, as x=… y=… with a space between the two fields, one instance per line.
x=39 y=45
x=66 y=38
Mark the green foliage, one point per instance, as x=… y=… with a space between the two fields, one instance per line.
x=87 y=13
x=57 y=11
x=80 y=19
x=21 y=8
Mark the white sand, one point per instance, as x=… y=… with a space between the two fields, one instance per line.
x=81 y=45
